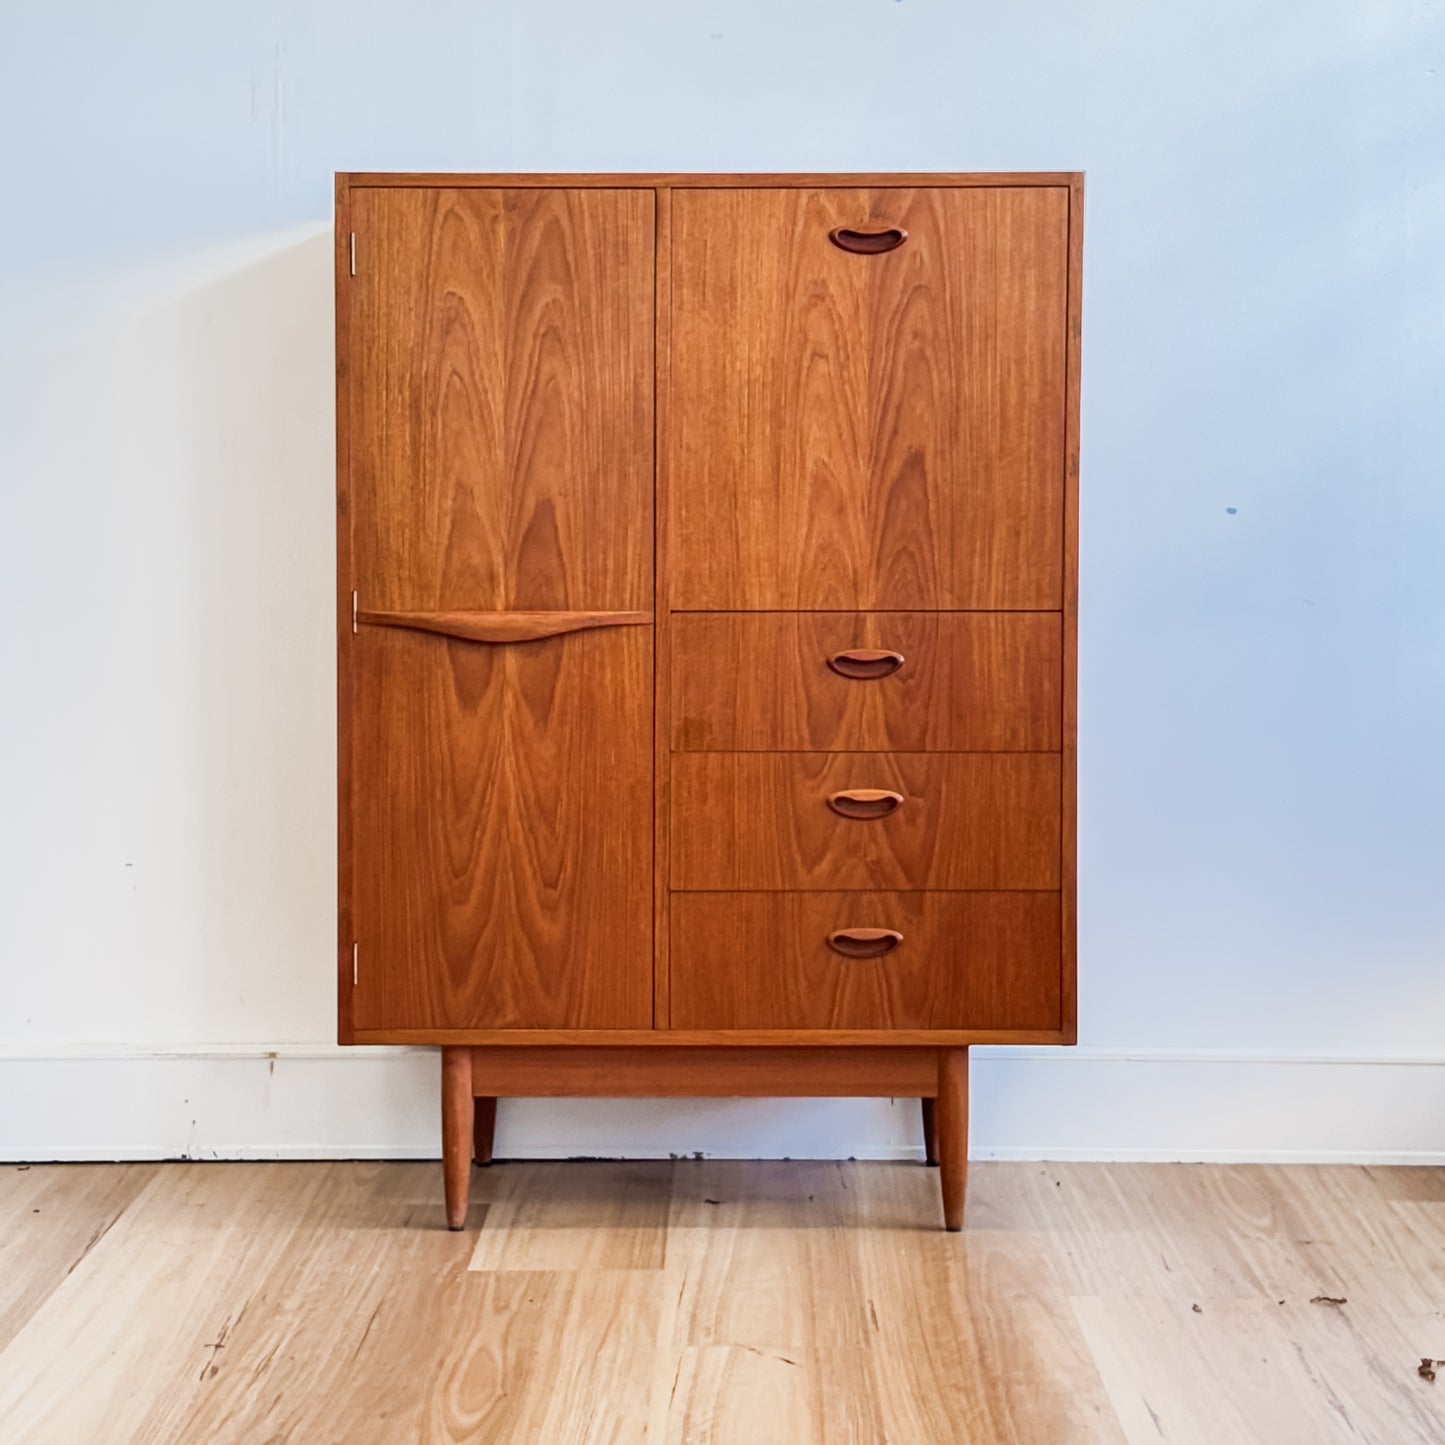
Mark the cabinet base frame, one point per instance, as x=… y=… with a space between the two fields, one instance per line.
x=473 y=1079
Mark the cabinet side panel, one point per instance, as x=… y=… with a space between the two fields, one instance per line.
x=662 y=662
x=343 y=612
x=1069 y=802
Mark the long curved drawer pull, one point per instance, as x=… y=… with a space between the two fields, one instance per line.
x=868 y=243
x=862 y=663
x=865 y=802
x=864 y=942
x=502 y=626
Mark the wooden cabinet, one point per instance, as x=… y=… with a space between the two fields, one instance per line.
x=706 y=633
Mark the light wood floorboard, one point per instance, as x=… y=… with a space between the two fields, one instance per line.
x=737 y=1303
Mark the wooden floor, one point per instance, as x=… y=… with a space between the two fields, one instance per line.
x=749 y=1303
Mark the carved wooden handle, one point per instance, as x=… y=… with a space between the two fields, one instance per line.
x=862 y=663
x=864 y=942
x=499 y=626
x=865 y=802
x=868 y=243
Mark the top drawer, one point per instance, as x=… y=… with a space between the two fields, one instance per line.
x=851 y=681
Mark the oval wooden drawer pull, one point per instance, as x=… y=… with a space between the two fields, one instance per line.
x=862 y=663
x=868 y=243
x=865 y=802
x=864 y=942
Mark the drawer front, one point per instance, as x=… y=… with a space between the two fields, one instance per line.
x=865 y=820
x=915 y=681
x=953 y=961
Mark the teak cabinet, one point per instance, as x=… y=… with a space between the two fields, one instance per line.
x=706 y=631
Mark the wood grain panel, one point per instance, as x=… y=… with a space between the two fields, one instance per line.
x=967 y=960
x=502 y=399
x=762 y=820
x=969 y=681
x=868 y=431
x=689 y=1072
x=503 y=865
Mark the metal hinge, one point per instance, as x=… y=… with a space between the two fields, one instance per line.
x=355 y=950
x=353 y=612
x=353 y=253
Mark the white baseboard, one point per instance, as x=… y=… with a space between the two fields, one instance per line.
x=242 y=1101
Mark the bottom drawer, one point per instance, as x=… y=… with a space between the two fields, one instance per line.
x=862 y=960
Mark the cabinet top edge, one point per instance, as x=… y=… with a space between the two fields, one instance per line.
x=648 y=180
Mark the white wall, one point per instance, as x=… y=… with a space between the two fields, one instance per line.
x=1263 y=640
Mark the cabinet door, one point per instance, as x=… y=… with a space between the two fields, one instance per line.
x=499 y=745
x=501 y=350
x=503 y=831
x=868 y=428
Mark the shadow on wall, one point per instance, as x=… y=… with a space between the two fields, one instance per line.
x=173 y=436
x=256 y=390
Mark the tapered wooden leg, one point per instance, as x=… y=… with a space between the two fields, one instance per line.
x=457 y=1111
x=951 y=1113
x=930 y=1133
x=483 y=1128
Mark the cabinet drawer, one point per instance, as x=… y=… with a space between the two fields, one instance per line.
x=782 y=820
x=918 y=681
x=961 y=961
